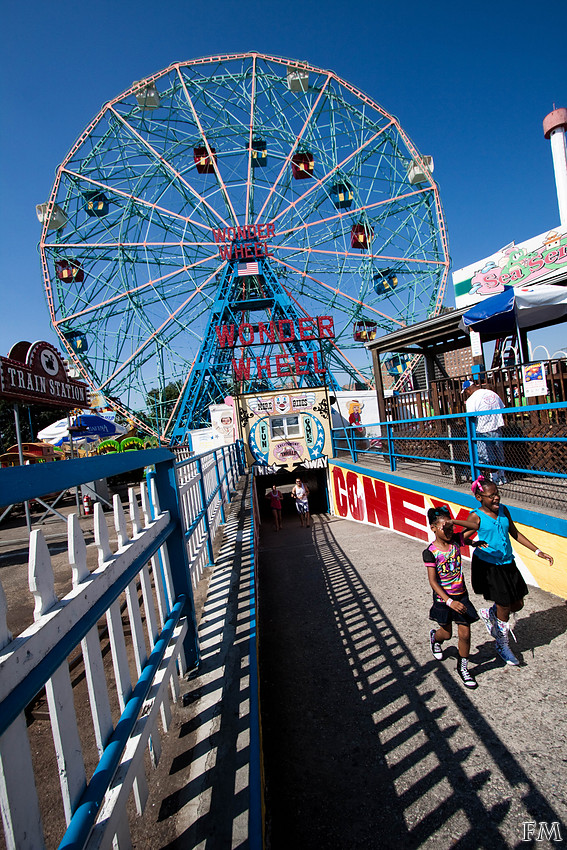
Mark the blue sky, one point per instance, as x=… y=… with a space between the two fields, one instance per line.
x=470 y=84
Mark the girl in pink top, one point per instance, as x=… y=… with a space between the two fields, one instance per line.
x=451 y=603
x=275 y=499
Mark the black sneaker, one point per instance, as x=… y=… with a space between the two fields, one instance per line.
x=436 y=648
x=463 y=671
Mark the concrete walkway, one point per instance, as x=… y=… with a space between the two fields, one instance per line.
x=369 y=741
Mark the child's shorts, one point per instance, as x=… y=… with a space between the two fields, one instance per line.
x=446 y=614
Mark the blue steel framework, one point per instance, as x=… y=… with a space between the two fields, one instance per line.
x=466 y=445
x=250 y=300
x=130 y=263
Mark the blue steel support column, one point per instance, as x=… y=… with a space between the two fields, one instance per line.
x=391 y=454
x=241 y=457
x=224 y=466
x=223 y=517
x=166 y=485
x=473 y=450
x=352 y=440
x=205 y=512
x=151 y=476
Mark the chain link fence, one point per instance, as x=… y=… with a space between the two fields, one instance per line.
x=526 y=457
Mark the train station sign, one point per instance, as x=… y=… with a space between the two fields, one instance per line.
x=36 y=374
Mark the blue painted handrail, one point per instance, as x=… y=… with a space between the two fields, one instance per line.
x=345 y=439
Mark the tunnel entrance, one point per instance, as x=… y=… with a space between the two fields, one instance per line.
x=316 y=481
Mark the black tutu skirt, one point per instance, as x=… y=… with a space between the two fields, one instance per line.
x=500 y=583
x=445 y=614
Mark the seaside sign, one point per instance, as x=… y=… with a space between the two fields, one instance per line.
x=542 y=259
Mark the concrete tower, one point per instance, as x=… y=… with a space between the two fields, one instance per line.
x=554 y=126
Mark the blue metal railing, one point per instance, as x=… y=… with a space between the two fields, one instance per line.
x=457 y=441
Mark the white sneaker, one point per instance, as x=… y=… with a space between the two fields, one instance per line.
x=436 y=648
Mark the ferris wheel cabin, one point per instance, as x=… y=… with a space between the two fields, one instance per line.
x=361 y=236
x=342 y=196
x=56 y=221
x=96 y=203
x=69 y=270
x=297 y=79
x=384 y=284
x=364 y=330
x=148 y=97
x=302 y=165
x=204 y=161
x=259 y=153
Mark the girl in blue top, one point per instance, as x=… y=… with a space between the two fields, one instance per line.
x=494 y=573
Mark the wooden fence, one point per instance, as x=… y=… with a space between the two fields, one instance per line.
x=444 y=396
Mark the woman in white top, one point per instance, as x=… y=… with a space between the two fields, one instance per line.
x=300 y=493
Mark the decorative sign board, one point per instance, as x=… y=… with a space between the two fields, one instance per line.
x=535 y=382
x=36 y=374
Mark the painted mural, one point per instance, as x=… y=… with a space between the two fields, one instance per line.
x=362 y=497
x=286 y=429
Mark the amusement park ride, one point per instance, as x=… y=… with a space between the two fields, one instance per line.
x=244 y=191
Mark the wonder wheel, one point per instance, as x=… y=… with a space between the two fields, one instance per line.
x=235 y=189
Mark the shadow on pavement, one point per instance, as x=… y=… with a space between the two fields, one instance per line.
x=364 y=745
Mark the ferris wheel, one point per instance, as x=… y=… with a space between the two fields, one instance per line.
x=143 y=235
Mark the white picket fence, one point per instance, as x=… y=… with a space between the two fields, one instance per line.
x=133 y=595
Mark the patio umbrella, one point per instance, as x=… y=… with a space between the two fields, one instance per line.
x=89 y=428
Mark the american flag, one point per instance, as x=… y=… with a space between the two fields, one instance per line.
x=247 y=268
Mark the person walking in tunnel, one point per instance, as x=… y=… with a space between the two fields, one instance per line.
x=300 y=493
x=275 y=499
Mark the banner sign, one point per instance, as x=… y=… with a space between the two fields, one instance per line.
x=542 y=259
x=36 y=374
x=476 y=344
x=283 y=331
x=222 y=420
x=244 y=243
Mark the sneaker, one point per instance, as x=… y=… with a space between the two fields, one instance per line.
x=488 y=617
x=465 y=676
x=436 y=648
x=502 y=647
x=506 y=654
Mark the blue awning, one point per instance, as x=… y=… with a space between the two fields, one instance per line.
x=525 y=307
x=494 y=315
